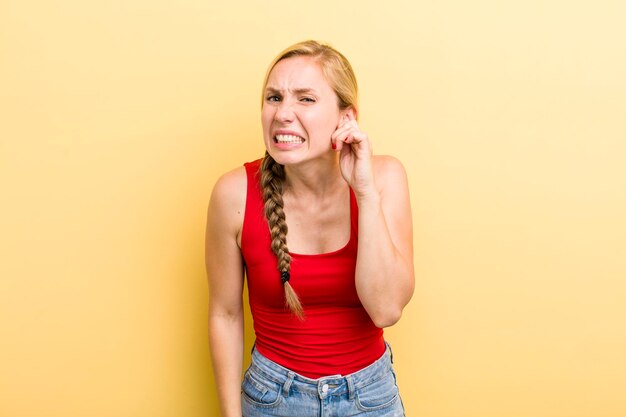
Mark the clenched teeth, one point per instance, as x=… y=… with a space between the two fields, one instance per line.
x=288 y=139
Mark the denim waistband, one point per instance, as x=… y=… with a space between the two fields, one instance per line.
x=324 y=386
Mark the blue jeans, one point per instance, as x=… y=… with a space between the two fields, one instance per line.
x=269 y=389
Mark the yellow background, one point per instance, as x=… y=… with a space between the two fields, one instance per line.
x=117 y=117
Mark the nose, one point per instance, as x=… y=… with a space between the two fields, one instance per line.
x=284 y=112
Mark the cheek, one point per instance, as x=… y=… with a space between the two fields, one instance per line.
x=323 y=123
x=266 y=121
x=265 y=116
x=326 y=126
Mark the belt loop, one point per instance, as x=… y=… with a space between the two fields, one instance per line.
x=390 y=351
x=351 y=390
x=287 y=385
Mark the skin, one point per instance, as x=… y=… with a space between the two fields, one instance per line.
x=332 y=155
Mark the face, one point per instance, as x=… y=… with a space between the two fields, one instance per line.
x=300 y=112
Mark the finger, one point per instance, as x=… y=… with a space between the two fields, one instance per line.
x=343 y=127
x=345 y=131
x=358 y=142
x=345 y=150
x=339 y=136
x=336 y=139
x=346 y=140
x=354 y=136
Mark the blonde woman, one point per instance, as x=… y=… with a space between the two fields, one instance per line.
x=322 y=231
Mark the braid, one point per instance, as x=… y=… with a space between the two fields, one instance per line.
x=272 y=179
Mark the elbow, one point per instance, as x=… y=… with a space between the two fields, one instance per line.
x=386 y=318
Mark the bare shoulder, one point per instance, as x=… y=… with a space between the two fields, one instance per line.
x=228 y=200
x=389 y=172
x=231 y=185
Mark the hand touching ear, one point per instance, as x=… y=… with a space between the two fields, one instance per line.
x=355 y=155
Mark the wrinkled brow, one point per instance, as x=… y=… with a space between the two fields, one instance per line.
x=295 y=90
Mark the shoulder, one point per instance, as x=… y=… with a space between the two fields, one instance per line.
x=228 y=199
x=389 y=172
x=387 y=164
x=231 y=186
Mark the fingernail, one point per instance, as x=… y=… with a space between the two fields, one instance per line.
x=334 y=145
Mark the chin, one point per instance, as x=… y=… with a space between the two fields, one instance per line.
x=283 y=159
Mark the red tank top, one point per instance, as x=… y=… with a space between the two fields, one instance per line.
x=337 y=336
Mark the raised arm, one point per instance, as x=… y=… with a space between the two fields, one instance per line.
x=225 y=273
x=384 y=270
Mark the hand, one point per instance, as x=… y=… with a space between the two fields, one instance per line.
x=355 y=158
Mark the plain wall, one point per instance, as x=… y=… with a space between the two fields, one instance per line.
x=117 y=118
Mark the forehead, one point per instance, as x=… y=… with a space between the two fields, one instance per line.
x=297 y=73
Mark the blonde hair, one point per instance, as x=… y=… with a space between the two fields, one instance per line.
x=340 y=76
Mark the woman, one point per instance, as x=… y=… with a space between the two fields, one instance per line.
x=322 y=229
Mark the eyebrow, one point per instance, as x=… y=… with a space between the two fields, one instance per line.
x=295 y=90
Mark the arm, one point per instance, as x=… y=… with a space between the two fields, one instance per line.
x=225 y=273
x=384 y=270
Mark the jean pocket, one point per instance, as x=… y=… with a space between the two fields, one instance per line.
x=379 y=394
x=260 y=392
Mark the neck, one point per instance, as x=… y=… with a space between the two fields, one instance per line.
x=318 y=177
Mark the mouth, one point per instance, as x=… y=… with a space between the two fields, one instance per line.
x=288 y=139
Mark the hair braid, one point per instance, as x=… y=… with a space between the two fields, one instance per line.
x=272 y=179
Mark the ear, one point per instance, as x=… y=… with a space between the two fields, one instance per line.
x=350 y=113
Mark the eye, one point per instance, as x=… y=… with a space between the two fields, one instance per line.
x=273 y=98
x=308 y=99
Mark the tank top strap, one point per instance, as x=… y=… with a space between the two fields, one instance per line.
x=354 y=214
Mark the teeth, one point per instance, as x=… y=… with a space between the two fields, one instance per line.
x=288 y=139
